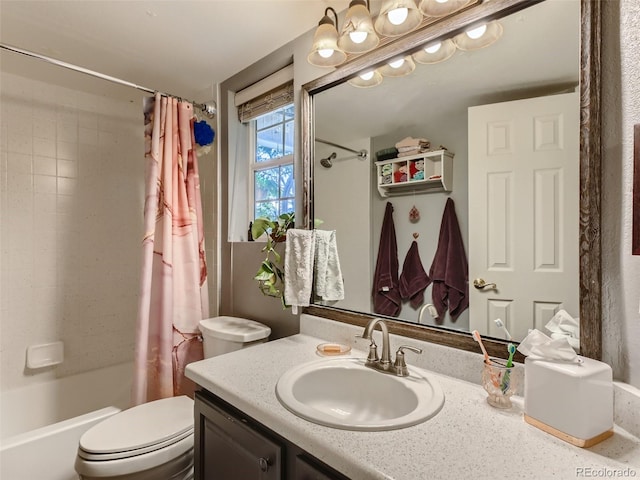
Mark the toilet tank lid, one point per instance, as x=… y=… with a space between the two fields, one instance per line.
x=234 y=329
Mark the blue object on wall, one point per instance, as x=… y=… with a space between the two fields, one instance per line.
x=204 y=133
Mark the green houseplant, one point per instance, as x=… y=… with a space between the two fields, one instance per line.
x=270 y=275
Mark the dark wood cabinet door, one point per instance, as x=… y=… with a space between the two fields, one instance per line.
x=231 y=450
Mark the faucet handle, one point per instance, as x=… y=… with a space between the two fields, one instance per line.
x=373 y=350
x=400 y=365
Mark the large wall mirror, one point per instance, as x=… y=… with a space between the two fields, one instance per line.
x=542 y=75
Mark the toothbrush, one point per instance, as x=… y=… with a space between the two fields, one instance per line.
x=512 y=350
x=476 y=337
x=487 y=360
x=501 y=325
x=506 y=379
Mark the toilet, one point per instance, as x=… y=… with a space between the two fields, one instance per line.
x=155 y=440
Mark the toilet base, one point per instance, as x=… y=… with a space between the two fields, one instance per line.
x=180 y=468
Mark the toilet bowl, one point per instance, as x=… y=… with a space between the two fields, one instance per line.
x=154 y=440
x=150 y=441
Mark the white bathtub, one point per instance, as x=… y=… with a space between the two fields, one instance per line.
x=42 y=423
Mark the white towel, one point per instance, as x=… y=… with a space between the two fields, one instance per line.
x=328 y=276
x=298 y=267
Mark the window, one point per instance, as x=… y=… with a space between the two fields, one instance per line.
x=272 y=175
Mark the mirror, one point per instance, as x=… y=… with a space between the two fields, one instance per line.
x=432 y=103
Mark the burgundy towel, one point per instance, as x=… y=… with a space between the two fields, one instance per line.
x=449 y=270
x=414 y=280
x=386 y=296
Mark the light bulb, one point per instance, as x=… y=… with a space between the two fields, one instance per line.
x=397 y=16
x=325 y=52
x=396 y=63
x=367 y=75
x=476 y=33
x=442 y=1
x=358 y=37
x=433 y=48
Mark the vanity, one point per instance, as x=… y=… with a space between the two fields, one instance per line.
x=237 y=409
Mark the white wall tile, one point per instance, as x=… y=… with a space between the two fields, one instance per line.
x=44 y=147
x=65 y=251
x=19 y=142
x=44 y=165
x=19 y=163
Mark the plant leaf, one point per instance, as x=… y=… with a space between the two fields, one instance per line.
x=260 y=226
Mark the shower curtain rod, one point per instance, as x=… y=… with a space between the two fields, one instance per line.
x=326 y=142
x=208 y=110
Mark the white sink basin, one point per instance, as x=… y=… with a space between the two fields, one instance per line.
x=343 y=393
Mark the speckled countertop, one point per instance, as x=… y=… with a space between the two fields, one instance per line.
x=467 y=439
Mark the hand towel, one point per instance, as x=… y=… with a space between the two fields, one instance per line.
x=449 y=270
x=414 y=280
x=329 y=285
x=386 y=296
x=298 y=267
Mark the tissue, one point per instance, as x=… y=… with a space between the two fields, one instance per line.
x=539 y=346
x=563 y=325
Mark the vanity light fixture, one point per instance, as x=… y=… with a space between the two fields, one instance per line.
x=435 y=52
x=397 y=17
x=479 y=36
x=398 y=67
x=325 y=51
x=358 y=35
x=441 y=8
x=367 y=79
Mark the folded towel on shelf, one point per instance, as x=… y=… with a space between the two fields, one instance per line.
x=386 y=153
x=386 y=296
x=449 y=270
x=413 y=280
x=387 y=169
x=329 y=285
x=413 y=142
x=298 y=267
x=386 y=179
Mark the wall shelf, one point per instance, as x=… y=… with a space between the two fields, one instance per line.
x=399 y=176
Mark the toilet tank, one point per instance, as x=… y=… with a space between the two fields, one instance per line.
x=227 y=334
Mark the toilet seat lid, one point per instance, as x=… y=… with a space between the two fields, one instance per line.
x=141 y=426
x=234 y=329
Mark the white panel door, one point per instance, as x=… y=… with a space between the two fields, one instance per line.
x=523 y=212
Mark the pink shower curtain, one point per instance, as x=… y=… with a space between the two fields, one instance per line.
x=173 y=293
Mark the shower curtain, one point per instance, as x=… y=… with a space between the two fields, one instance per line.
x=173 y=293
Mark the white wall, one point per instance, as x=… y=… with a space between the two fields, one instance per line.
x=72 y=192
x=621 y=110
x=346 y=192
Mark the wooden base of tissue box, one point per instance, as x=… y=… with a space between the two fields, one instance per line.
x=578 y=442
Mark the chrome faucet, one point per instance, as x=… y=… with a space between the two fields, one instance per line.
x=383 y=364
x=432 y=311
x=385 y=361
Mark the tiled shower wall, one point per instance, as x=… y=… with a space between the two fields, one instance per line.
x=72 y=183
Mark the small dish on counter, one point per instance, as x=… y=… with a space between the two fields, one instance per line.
x=331 y=349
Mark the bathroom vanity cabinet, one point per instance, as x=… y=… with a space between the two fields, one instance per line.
x=231 y=445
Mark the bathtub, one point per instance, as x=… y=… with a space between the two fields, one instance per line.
x=42 y=423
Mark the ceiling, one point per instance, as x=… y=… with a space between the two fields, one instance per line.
x=180 y=47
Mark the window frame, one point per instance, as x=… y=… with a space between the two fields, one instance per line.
x=255 y=166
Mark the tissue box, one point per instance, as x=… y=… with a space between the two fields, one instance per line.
x=571 y=401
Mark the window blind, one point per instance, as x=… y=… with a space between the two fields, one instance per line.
x=268 y=94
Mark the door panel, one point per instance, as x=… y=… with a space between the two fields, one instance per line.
x=523 y=212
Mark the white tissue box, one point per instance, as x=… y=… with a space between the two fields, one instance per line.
x=572 y=401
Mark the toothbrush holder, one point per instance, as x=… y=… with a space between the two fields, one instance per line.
x=499 y=383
